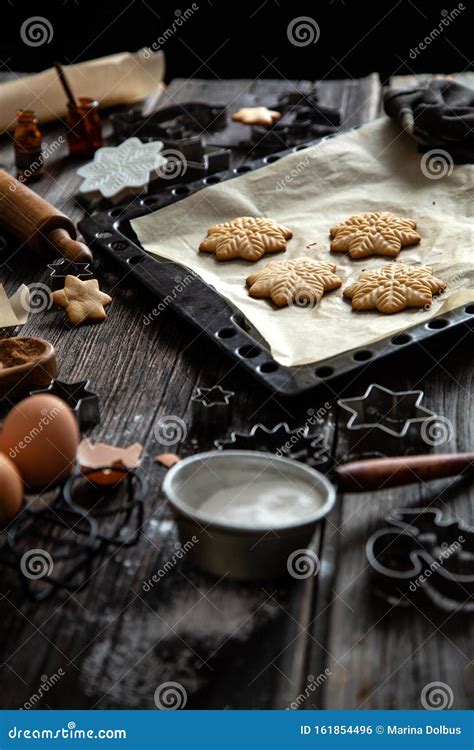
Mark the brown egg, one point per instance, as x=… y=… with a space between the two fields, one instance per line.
x=11 y=490
x=40 y=435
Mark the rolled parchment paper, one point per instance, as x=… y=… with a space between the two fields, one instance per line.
x=123 y=78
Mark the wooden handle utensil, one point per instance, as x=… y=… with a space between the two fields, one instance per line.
x=37 y=223
x=379 y=473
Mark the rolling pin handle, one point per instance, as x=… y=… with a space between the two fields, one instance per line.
x=69 y=247
x=37 y=223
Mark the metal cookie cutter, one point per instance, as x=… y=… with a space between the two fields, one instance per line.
x=422 y=556
x=68 y=563
x=188 y=159
x=196 y=159
x=384 y=422
x=211 y=408
x=176 y=121
x=64 y=540
x=83 y=401
x=296 y=444
x=303 y=119
x=62 y=268
x=125 y=517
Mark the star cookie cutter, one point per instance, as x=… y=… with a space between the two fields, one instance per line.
x=62 y=267
x=384 y=422
x=211 y=408
x=422 y=556
x=83 y=402
x=296 y=443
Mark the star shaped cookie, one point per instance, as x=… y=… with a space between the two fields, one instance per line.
x=394 y=288
x=373 y=233
x=256 y=116
x=82 y=300
x=246 y=237
x=300 y=282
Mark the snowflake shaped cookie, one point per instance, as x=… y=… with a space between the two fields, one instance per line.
x=300 y=282
x=373 y=233
x=394 y=288
x=246 y=237
x=119 y=170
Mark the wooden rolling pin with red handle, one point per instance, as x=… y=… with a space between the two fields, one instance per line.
x=37 y=223
x=379 y=473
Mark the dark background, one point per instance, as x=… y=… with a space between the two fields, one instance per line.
x=228 y=39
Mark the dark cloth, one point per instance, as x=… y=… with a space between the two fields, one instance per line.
x=439 y=115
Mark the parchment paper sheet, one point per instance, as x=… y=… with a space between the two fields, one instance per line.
x=370 y=169
x=14 y=310
x=123 y=78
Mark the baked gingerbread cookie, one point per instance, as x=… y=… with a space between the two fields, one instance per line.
x=247 y=237
x=82 y=300
x=299 y=282
x=256 y=116
x=394 y=288
x=373 y=233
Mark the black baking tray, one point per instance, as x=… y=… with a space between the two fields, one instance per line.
x=110 y=232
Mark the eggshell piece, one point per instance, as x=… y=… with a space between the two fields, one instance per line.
x=167 y=459
x=40 y=436
x=11 y=490
x=95 y=456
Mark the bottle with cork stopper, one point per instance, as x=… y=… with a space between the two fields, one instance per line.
x=27 y=140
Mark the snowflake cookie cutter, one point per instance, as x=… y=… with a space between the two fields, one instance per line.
x=385 y=423
x=297 y=444
x=420 y=555
x=117 y=172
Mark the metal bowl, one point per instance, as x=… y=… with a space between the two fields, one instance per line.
x=226 y=549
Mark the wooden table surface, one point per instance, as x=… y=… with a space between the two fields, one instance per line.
x=325 y=638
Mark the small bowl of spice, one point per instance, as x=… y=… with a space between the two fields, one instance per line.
x=241 y=514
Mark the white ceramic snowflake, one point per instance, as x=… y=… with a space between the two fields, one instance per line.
x=119 y=170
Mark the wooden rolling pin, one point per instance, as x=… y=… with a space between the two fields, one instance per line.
x=379 y=473
x=37 y=223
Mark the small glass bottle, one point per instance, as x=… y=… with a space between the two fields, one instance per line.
x=84 y=128
x=27 y=140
